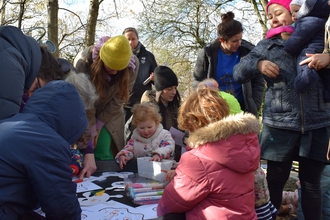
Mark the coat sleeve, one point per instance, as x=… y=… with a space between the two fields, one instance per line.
x=305 y=30
x=201 y=68
x=258 y=88
x=187 y=189
x=166 y=145
x=51 y=178
x=247 y=68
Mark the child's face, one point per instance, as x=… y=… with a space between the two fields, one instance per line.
x=294 y=11
x=147 y=128
x=278 y=16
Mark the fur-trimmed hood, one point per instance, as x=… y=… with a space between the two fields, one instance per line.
x=243 y=123
x=231 y=142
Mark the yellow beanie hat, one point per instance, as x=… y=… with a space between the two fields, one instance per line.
x=116 y=53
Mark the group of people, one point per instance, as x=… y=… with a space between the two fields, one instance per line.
x=51 y=108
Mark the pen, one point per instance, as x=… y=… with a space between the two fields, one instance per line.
x=155 y=193
x=143 y=198
x=146 y=185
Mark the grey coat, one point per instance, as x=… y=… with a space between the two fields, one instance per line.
x=284 y=107
x=206 y=68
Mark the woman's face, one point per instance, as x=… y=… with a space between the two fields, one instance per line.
x=110 y=71
x=232 y=44
x=168 y=94
x=147 y=128
x=132 y=38
x=278 y=16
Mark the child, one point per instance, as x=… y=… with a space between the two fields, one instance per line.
x=310 y=18
x=294 y=124
x=263 y=207
x=149 y=138
x=215 y=180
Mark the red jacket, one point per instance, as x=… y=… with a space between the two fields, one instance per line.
x=216 y=179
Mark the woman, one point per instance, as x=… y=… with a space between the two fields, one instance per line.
x=112 y=69
x=215 y=180
x=167 y=97
x=146 y=69
x=294 y=124
x=216 y=60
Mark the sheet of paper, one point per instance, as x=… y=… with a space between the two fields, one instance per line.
x=86 y=186
x=177 y=135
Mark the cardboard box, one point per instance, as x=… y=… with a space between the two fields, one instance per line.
x=152 y=169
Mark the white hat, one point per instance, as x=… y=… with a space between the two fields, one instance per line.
x=297 y=2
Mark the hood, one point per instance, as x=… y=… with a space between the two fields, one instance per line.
x=29 y=50
x=232 y=142
x=316 y=8
x=58 y=104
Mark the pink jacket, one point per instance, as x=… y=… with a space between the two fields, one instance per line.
x=216 y=179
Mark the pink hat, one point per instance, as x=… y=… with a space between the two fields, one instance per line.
x=284 y=3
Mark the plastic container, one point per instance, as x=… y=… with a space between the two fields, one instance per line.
x=152 y=169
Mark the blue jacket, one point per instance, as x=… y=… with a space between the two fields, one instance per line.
x=308 y=37
x=35 y=154
x=284 y=107
x=20 y=60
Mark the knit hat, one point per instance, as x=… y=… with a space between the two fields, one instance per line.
x=164 y=78
x=297 y=2
x=116 y=53
x=234 y=106
x=284 y=3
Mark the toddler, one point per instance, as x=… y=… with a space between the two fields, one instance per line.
x=149 y=138
x=308 y=37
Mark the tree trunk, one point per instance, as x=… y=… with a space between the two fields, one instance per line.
x=91 y=23
x=53 y=24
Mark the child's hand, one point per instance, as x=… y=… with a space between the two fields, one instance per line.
x=122 y=161
x=170 y=175
x=156 y=157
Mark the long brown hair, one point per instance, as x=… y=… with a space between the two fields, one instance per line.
x=98 y=76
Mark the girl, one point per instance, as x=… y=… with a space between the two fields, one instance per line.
x=168 y=99
x=225 y=151
x=149 y=138
x=294 y=124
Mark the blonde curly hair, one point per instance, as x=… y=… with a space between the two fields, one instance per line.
x=202 y=107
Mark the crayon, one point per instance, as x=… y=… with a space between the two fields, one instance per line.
x=142 y=189
x=154 y=193
x=78 y=180
x=96 y=193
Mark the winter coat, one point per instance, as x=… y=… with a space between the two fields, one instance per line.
x=161 y=142
x=216 y=179
x=284 y=107
x=20 y=62
x=206 y=65
x=110 y=110
x=35 y=154
x=147 y=66
x=308 y=37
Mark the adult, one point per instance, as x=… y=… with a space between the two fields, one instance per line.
x=217 y=59
x=168 y=99
x=294 y=124
x=113 y=69
x=35 y=154
x=146 y=69
x=20 y=62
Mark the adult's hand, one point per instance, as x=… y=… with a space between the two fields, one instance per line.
x=268 y=68
x=316 y=61
x=89 y=166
